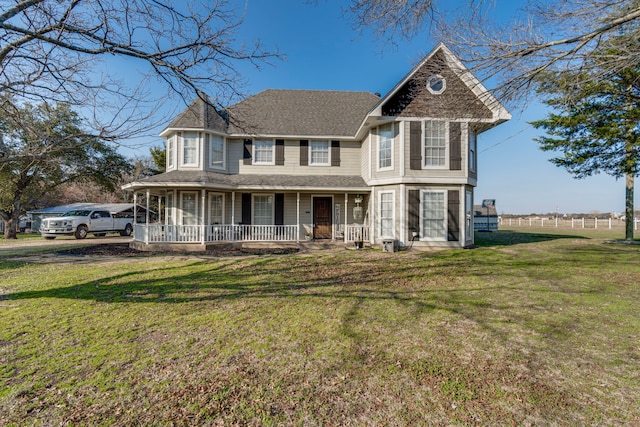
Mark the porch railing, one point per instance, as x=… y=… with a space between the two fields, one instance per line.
x=357 y=233
x=159 y=233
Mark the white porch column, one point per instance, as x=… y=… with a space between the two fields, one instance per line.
x=203 y=226
x=372 y=216
x=346 y=216
x=135 y=212
x=146 y=235
x=298 y=216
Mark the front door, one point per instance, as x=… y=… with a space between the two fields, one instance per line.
x=322 y=217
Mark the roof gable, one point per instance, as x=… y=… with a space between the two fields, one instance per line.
x=464 y=96
x=200 y=114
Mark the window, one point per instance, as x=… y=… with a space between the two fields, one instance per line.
x=190 y=149
x=216 y=151
x=216 y=209
x=171 y=146
x=263 y=152
x=469 y=215
x=319 y=153
x=386 y=214
x=170 y=209
x=385 y=146
x=433 y=215
x=436 y=84
x=473 y=146
x=262 y=209
x=435 y=144
x=189 y=209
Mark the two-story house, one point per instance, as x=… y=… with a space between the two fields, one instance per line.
x=285 y=165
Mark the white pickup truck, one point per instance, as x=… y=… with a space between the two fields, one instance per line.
x=83 y=221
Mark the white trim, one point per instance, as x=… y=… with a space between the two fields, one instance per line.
x=273 y=152
x=393 y=215
x=401 y=132
x=182 y=194
x=423 y=147
x=209 y=149
x=434 y=77
x=171 y=152
x=444 y=213
x=310 y=156
x=181 y=148
x=378 y=141
x=210 y=195
x=253 y=207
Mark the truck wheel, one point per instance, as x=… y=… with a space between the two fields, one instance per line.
x=81 y=232
x=127 y=231
x=49 y=237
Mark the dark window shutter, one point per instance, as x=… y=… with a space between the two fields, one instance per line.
x=246 y=208
x=279 y=151
x=453 y=208
x=335 y=153
x=415 y=145
x=304 y=152
x=455 y=146
x=413 y=221
x=246 y=155
x=279 y=209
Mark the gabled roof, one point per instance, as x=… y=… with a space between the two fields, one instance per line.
x=301 y=113
x=498 y=113
x=298 y=113
x=200 y=114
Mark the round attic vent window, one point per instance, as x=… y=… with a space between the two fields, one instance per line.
x=436 y=84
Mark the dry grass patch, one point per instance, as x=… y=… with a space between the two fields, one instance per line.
x=523 y=330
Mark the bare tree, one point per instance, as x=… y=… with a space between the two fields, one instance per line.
x=85 y=53
x=544 y=35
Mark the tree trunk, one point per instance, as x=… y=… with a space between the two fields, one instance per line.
x=629 y=219
x=10 y=229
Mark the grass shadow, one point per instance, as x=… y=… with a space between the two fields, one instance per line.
x=511 y=237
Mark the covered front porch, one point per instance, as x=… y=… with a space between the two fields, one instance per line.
x=192 y=219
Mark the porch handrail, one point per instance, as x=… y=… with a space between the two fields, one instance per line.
x=160 y=233
x=357 y=233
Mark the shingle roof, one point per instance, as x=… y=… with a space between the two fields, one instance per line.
x=284 y=112
x=199 y=115
x=302 y=112
x=213 y=179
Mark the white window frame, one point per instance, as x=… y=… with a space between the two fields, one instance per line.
x=468 y=200
x=391 y=143
x=269 y=142
x=182 y=207
x=254 y=210
x=473 y=150
x=196 y=148
x=210 y=138
x=311 y=152
x=426 y=137
x=436 y=78
x=445 y=225
x=391 y=232
x=211 y=196
x=171 y=151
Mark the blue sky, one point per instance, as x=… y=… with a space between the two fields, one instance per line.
x=323 y=51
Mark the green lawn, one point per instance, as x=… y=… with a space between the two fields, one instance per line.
x=527 y=329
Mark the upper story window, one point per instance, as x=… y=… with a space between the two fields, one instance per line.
x=435 y=144
x=473 y=148
x=263 y=152
x=385 y=147
x=436 y=84
x=190 y=149
x=216 y=151
x=319 y=153
x=171 y=148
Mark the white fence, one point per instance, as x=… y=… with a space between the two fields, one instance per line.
x=159 y=233
x=592 y=223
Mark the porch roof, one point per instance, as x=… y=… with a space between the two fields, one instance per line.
x=214 y=180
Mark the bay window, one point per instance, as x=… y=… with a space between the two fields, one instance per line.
x=435 y=144
x=385 y=146
x=216 y=151
x=190 y=149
